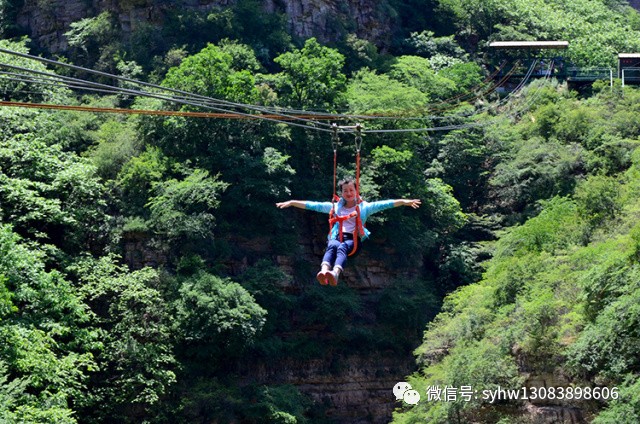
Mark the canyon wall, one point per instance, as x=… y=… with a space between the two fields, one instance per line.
x=46 y=21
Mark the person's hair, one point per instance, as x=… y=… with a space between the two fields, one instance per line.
x=347 y=180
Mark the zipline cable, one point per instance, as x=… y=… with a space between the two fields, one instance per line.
x=234 y=114
x=209 y=101
x=75 y=83
x=142 y=83
x=161 y=97
x=225 y=112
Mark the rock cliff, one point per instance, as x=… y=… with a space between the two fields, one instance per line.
x=353 y=389
x=46 y=21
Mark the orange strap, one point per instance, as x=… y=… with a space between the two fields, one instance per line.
x=335 y=165
x=334 y=142
x=359 y=225
x=333 y=216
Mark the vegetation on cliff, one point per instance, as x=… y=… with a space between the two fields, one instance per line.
x=527 y=229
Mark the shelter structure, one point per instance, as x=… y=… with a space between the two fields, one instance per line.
x=629 y=68
x=575 y=76
x=526 y=55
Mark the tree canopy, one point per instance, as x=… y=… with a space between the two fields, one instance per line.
x=146 y=275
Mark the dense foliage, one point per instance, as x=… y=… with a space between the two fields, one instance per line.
x=559 y=295
x=144 y=267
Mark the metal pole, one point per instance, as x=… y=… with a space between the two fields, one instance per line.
x=611 y=79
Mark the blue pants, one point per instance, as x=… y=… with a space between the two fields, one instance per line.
x=336 y=253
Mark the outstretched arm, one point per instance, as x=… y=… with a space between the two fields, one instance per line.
x=381 y=205
x=295 y=203
x=414 y=203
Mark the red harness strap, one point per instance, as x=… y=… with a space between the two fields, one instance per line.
x=359 y=226
x=340 y=220
x=333 y=216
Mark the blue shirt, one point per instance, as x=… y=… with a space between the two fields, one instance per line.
x=366 y=209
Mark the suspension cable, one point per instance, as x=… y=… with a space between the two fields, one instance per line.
x=75 y=83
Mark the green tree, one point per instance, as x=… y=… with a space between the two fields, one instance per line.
x=182 y=209
x=136 y=364
x=49 y=194
x=94 y=40
x=360 y=53
x=464 y=75
x=416 y=72
x=311 y=77
x=30 y=91
x=118 y=143
x=212 y=72
x=265 y=282
x=9 y=10
x=598 y=199
x=369 y=92
x=427 y=45
x=246 y=21
x=137 y=178
x=608 y=347
x=625 y=409
x=215 y=318
x=247 y=154
x=47 y=343
x=538 y=170
x=464 y=160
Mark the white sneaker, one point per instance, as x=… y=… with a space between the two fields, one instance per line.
x=322 y=277
x=332 y=276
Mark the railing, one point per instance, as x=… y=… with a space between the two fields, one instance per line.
x=630 y=75
x=588 y=74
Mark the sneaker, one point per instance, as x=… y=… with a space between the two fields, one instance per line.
x=332 y=278
x=322 y=277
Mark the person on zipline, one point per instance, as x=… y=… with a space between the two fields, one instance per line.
x=341 y=237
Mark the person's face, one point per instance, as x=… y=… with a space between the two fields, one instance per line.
x=349 y=192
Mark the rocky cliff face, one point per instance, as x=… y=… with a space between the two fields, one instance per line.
x=553 y=411
x=354 y=389
x=47 y=20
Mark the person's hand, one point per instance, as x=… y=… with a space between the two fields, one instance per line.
x=283 y=205
x=414 y=203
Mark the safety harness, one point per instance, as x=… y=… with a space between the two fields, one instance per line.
x=333 y=215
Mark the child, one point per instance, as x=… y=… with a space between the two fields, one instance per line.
x=336 y=254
